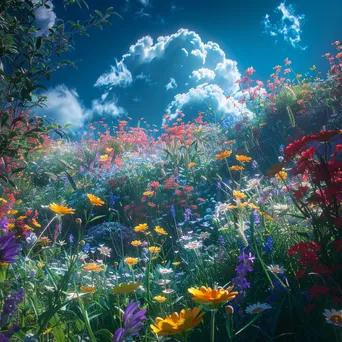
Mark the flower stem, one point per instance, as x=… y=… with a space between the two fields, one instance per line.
x=212 y=326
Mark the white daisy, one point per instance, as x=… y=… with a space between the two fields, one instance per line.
x=164 y=270
x=276 y=269
x=333 y=317
x=257 y=308
x=193 y=245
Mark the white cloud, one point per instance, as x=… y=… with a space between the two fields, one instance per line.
x=288 y=26
x=172 y=84
x=200 y=98
x=63 y=106
x=199 y=67
x=203 y=74
x=106 y=108
x=144 y=2
x=118 y=76
x=44 y=18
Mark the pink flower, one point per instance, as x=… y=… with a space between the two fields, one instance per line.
x=287 y=62
x=300 y=102
x=259 y=83
x=339 y=55
x=286 y=71
x=250 y=71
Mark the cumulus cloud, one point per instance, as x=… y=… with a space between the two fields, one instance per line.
x=200 y=68
x=63 y=106
x=118 y=76
x=172 y=84
x=201 y=97
x=44 y=18
x=288 y=25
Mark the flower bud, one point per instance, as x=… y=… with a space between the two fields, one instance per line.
x=78 y=221
x=116 y=264
x=229 y=309
x=82 y=243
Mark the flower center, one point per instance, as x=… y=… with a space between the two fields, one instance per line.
x=336 y=318
x=256 y=310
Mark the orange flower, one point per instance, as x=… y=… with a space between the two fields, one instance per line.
x=178 y=323
x=92 y=267
x=243 y=159
x=223 y=155
x=142 y=227
x=212 y=297
x=154 y=249
x=136 y=243
x=237 y=168
x=87 y=289
x=281 y=175
x=35 y=223
x=160 y=230
x=131 y=261
x=96 y=201
x=61 y=209
x=190 y=165
x=239 y=195
x=109 y=150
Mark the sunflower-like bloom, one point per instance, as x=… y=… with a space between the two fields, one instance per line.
x=281 y=175
x=142 y=227
x=223 y=155
x=212 y=297
x=160 y=230
x=92 y=267
x=160 y=299
x=178 y=323
x=61 y=209
x=191 y=164
x=237 y=168
x=239 y=195
x=131 y=261
x=96 y=201
x=148 y=193
x=243 y=159
x=154 y=249
x=125 y=288
x=87 y=289
x=136 y=243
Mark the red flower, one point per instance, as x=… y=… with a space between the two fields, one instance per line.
x=338 y=245
x=338 y=222
x=301 y=192
x=301 y=274
x=318 y=290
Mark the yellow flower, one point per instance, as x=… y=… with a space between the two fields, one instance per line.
x=92 y=267
x=23 y=217
x=10 y=225
x=61 y=209
x=142 y=227
x=212 y=297
x=160 y=230
x=237 y=168
x=160 y=299
x=190 y=165
x=243 y=159
x=136 y=243
x=125 y=288
x=268 y=217
x=223 y=155
x=40 y=265
x=109 y=150
x=13 y=212
x=239 y=195
x=104 y=157
x=3 y=200
x=281 y=175
x=131 y=261
x=148 y=193
x=299 y=76
x=154 y=249
x=95 y=200
x=47 y=331
x=176 y=263
x=35 y=223
x=178 y=323
x=87 y=289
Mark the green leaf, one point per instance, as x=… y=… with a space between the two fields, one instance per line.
x=80 y=325
x=4 y=118
x=38 y=43
x=96 y=218
x=57 y=330
x=99 y=13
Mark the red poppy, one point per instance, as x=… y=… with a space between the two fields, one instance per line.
x=318 y=290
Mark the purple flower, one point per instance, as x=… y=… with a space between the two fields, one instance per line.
x=243 y=268
x=256 y=217
x=9 y=306
x=245 y=257
x=132 y=322
x=8 y=248
x=241 y=282
x=173 y=211
x=187 y=214
x=268 y=244
x=4 y=224
x=5 y=336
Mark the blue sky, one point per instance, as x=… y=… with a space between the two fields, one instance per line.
x=165 y=56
